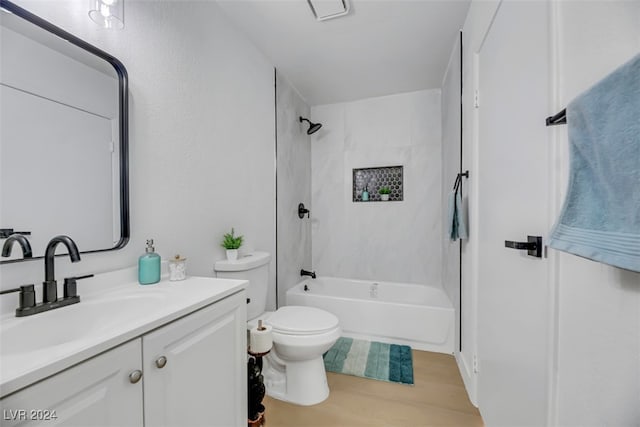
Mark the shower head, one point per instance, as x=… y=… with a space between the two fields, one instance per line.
x=313 y=127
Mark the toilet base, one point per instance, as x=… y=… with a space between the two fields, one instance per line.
x=300 y=382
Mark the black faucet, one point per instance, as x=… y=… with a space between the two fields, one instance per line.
x=50 y=286
x=50 y=299
x=24 y=244
x=308 y=273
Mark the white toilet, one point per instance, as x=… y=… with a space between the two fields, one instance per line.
x=293 y=370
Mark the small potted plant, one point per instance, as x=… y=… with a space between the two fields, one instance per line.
x=384 y=193
x=231 y=243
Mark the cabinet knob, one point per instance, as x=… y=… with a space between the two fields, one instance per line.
x=161 y=362
x=135 y=376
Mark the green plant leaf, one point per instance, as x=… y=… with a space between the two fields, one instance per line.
x=231 y=241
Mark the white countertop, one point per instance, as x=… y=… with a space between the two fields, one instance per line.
x=35 y=347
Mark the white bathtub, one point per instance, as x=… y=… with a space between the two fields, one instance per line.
x=417 y=315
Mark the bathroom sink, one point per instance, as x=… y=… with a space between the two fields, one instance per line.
x=55 y=328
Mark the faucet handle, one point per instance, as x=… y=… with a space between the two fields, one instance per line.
x=302 y=210
x=70 y=285
x=27 y=296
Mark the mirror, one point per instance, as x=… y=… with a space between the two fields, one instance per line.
x=63 y=137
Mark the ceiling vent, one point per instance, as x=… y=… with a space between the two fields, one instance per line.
x=328 y=9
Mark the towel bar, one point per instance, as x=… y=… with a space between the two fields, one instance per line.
x=458 y=181
x=558 y=119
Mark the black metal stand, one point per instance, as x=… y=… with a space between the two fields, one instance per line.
x=256 y=389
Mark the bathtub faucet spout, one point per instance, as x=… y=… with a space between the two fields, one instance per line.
x=308 y=273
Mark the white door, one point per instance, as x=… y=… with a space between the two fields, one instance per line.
x=97 y=392
x=195 y=368
x=513 y=296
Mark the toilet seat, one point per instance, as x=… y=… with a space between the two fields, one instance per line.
x=298 y=320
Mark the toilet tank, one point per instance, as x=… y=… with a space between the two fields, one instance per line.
x=253 y=267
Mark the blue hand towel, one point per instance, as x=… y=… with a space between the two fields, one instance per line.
x=600 y=219
x=461 y=220
x=452 y=228
x=456 y=220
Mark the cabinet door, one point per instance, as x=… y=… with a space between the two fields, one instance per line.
x=204 y=380
x=97 y=392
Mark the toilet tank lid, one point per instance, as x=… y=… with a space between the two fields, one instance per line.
x=247 y=262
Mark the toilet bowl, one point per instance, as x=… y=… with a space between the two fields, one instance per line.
x=294 y=369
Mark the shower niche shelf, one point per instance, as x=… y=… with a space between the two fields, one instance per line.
x=374 y=179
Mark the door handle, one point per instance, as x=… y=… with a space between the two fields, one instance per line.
x=533 y=245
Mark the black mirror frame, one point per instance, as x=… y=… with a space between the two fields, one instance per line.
x=125 y=226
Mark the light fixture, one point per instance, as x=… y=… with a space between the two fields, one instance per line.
x=107 y=13
x=328 y=9
x=313 y=127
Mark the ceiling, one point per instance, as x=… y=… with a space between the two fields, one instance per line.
x=381 y=47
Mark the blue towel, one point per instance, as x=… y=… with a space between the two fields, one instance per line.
x=456 y=220
x=600 y=219
x=461 y=218
x=452 y=230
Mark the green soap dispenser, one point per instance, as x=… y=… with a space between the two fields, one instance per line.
x=365 y=194
x=149 y=266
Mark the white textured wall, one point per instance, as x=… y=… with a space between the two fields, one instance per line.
x=294 y=186
x=201 y=135
x=598 y=365
x=393 y=241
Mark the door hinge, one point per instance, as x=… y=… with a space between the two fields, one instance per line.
x=112 y=147
x=475 y=364
x=476 y=99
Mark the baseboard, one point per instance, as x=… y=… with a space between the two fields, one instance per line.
x=469 y=378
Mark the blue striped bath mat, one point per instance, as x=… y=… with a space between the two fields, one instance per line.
x=370 y=359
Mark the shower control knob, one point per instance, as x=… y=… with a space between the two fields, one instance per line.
x=161 y=362
x=302 y=210
x=135 y=376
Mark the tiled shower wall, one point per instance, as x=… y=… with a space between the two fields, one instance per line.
x=293 y=187
x=397 y=241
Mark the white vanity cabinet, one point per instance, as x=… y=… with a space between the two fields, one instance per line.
x=193 y=373
x=195 y=368
x=97 y=392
